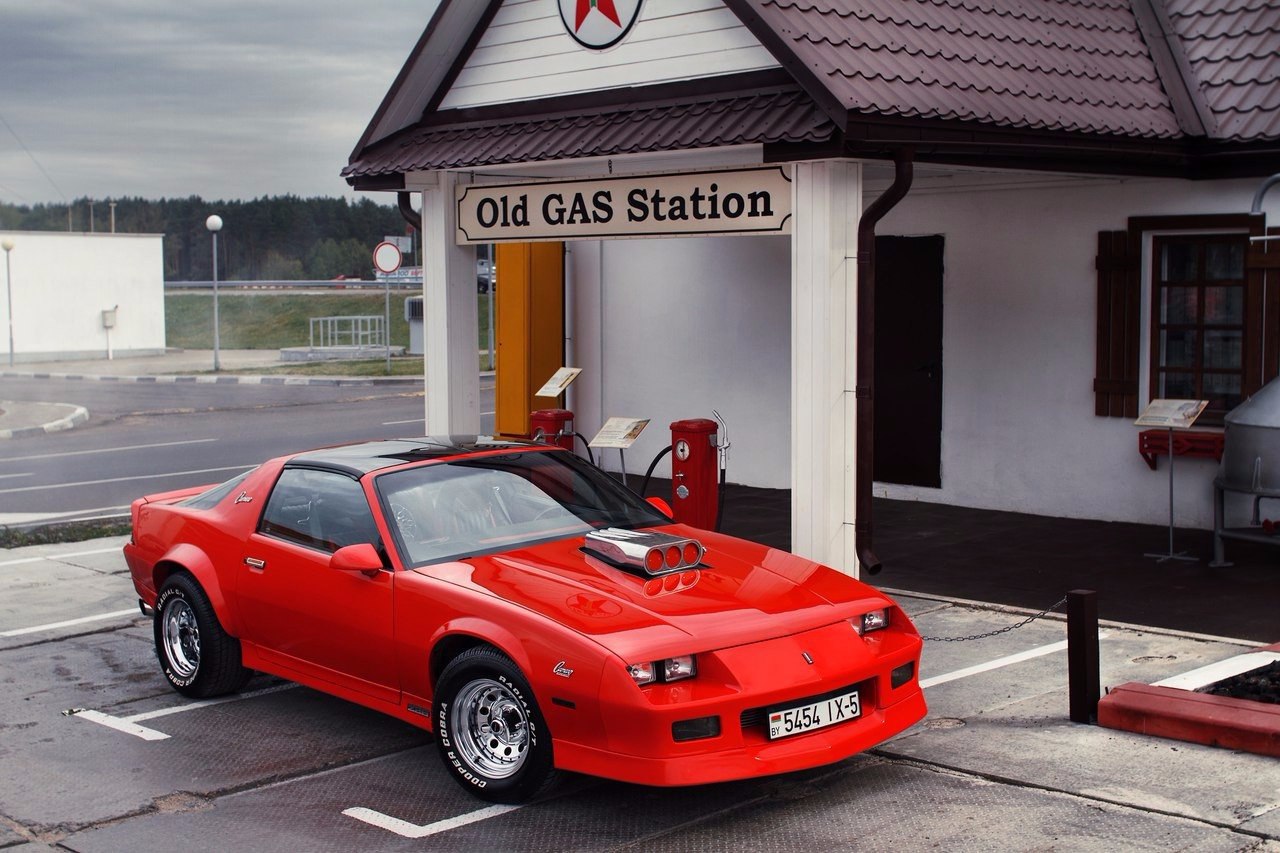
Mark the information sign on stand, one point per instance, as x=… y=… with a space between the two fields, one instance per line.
x=1171 y=414
x=620 y=433
x=559 y=382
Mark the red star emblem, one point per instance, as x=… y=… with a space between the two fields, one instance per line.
x=604 y=7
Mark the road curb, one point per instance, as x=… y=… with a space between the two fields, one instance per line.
x=202 y=379
x=78 y=415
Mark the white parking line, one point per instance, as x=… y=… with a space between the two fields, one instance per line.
x=398 y=423
x=129 y=725
x=120 y=725
x=55 y=557
x=412 y=830
x=125 y=479
x=1039 y=651
x=106 y=450
x=35 y=629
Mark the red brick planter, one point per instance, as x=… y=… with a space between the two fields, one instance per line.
x=1195 y=717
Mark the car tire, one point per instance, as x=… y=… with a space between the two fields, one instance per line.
x=490 y=733
x=198 y=658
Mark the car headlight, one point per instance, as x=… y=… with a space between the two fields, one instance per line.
x=872 y=620
x=666 y=670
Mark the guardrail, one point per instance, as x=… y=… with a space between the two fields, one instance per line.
x=345 y=284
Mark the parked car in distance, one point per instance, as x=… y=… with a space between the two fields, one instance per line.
x=526 y=607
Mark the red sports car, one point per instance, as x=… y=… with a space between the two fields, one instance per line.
x=532 y=611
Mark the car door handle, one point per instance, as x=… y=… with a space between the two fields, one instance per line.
x=255 y=563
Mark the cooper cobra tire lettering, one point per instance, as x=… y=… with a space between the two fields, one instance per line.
x=488 y=728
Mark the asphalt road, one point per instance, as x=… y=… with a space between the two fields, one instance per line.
x=143 y=438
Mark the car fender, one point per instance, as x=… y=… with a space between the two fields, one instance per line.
x=196 y=562
x=486 y=632
x=564 y=670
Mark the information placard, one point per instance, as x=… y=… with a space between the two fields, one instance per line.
x=619 y=432
x=1171 y=414
x=559 y=381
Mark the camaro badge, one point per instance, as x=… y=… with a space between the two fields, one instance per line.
x=243 y=498
x=561 y=670
x=808 y=658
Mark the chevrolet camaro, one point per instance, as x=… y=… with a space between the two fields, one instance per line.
x=527 y=608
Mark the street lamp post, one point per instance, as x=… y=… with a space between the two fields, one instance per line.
x=214 y=224
x=7 y=245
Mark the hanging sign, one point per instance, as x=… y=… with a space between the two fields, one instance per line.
x=740 y=201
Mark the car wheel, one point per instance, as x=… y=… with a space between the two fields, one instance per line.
x=196 y=655
x=489 y=731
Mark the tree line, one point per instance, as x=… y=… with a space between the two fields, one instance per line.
x=265 y=239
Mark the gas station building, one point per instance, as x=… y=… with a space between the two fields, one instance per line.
x=926 y=252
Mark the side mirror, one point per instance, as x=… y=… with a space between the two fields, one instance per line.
x=361 y=557
x=662 y=506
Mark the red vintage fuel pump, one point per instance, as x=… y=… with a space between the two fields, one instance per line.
x=695 y=494
x=553 y=426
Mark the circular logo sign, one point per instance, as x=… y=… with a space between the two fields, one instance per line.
x=599 y=24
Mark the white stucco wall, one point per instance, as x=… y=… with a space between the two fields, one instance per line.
x=1018 y=429
x=689 y=325
x=61 y=284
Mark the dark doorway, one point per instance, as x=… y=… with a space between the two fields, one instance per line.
x=908 y=375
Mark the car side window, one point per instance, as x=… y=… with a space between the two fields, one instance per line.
x=319 y=509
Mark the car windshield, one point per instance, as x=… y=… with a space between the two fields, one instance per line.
x=448 y=510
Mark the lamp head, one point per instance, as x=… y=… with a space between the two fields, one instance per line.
x=213 y=223
x=7 y=244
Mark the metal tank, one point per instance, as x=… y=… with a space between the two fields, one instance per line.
x=1251 y=445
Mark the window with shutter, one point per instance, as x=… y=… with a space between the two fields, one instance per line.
x=1215 y=312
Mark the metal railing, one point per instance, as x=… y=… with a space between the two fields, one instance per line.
x=348 y=331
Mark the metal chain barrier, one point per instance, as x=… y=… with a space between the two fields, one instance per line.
x=1003 y=630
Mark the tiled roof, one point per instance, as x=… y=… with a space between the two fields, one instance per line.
x=1063 y=65
x=1233 y=47
x=780 y=116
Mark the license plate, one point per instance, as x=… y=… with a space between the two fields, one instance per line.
x=785 y=722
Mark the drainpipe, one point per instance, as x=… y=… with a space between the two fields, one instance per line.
x=1262 y=191
x=405 y=201
x=864 y=390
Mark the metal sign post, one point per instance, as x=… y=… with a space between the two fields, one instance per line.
x=387 y=259
x=1172 y=414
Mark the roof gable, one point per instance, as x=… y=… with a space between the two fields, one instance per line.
x=526 y=53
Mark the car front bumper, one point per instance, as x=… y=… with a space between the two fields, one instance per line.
x=739 y=687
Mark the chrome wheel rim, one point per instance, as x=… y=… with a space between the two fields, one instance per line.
x=491 y=728
x=181 y=636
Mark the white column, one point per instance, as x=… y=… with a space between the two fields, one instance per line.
x=824 y=268
x=451 y=324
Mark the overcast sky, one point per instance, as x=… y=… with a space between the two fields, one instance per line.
x=170 y=98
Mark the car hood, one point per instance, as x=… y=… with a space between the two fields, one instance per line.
x=742 y=593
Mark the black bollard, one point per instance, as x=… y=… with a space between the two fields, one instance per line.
x=1083 y=675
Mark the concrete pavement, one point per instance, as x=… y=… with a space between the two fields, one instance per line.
x=997 y=765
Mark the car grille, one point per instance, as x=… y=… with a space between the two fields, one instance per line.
x=755 y=717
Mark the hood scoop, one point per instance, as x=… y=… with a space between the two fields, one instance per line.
x=644 y=552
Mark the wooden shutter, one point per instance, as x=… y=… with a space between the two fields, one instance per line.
x=1115 y=383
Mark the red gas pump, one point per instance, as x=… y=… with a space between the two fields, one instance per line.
x=695 y=494
x=553 y=426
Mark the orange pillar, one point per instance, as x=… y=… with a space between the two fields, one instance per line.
x=528 y=329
